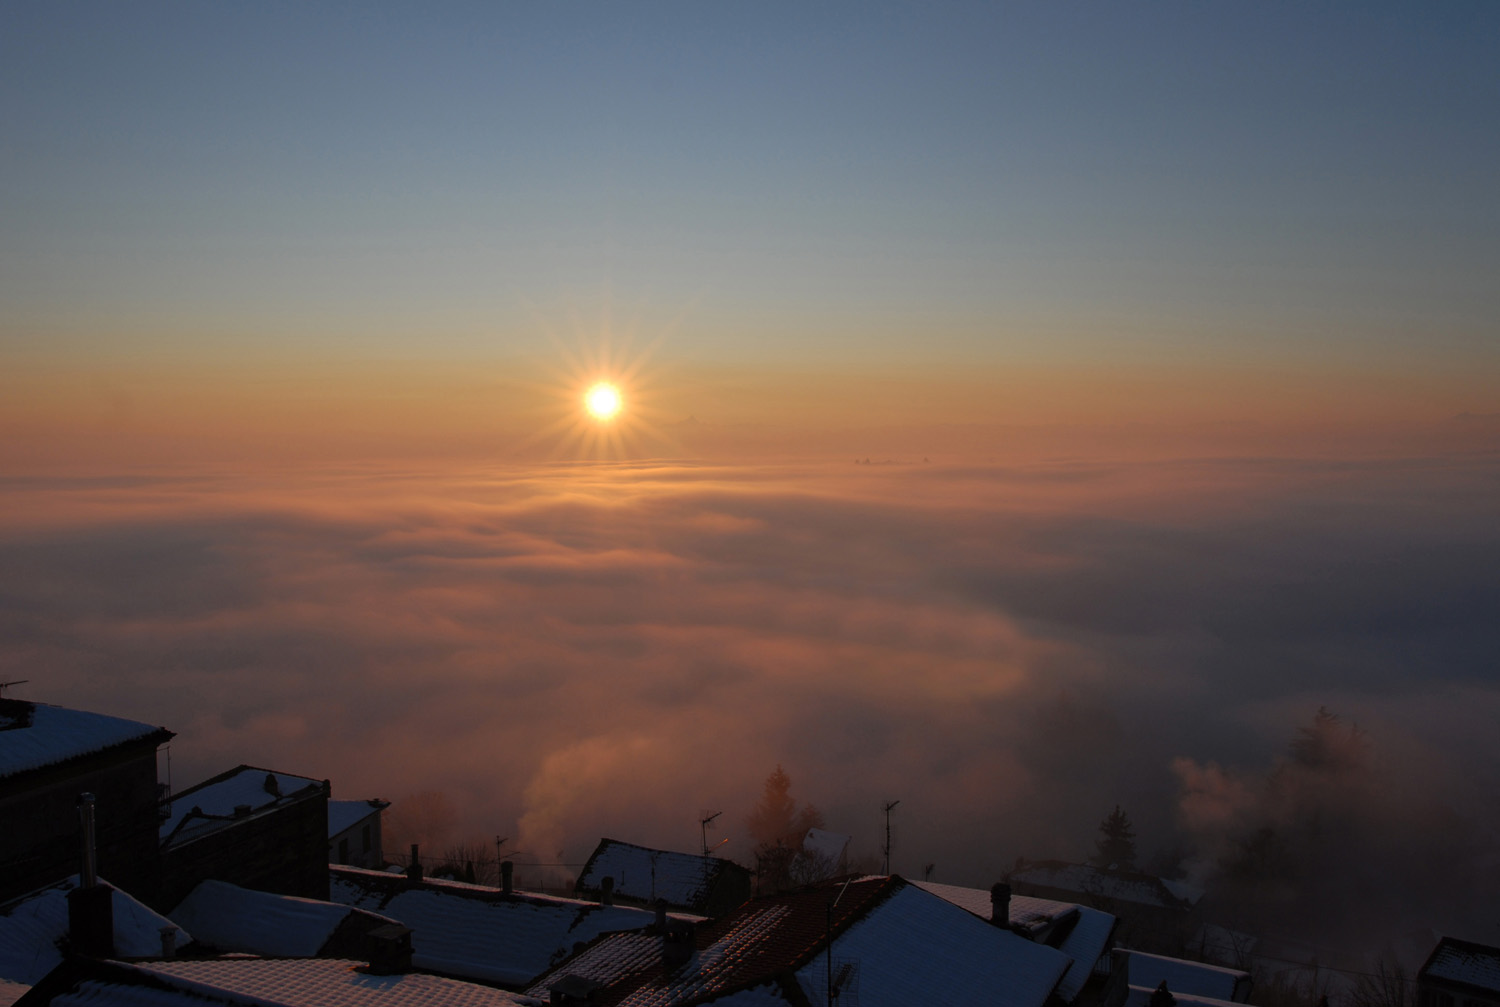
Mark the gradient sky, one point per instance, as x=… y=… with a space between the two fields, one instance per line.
x=1173 y=329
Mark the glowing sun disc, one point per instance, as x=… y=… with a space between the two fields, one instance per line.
x=603 y=401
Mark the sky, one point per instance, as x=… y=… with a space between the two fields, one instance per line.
x=1027 y=409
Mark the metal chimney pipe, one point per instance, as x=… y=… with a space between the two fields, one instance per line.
x=89 y=874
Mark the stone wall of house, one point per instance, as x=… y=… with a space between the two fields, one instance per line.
x=283 y=850
x=40 y=841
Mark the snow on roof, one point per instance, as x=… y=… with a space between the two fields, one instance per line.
x=33 y=735
x=908 y=947
x=232 y=918
x=1085 y=941
x=1464 y=962
x=32 y=925
x=1182 y=977
x=917 y=948
x=279 y=982
x=1122 y=886
x=210 y=805
x=347 y=814
x=1140 y=996
x=481 y=933
x=828 y=845
x=683 y=879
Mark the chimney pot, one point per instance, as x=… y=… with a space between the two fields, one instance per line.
x=676 y=944
x=169 y=942
x=88 y=874
x=1000 y=904
x=390 y=950
x=607 y=891
x=242 y=810
x=271 y=786
x=507 y=877
x=414 y=867
x=661 y=916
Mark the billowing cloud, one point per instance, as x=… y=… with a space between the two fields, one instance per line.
x=566 y=652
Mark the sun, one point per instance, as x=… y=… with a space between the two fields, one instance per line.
x=603 y=401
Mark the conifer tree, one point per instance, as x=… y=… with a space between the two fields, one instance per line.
x=1116 y=845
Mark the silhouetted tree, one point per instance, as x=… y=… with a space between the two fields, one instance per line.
x=778 y=824
x=1116 y=845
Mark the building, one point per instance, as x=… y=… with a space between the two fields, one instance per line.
x=34 y=930
x=1084 y=934
x=1460 y=974
x=1136 y=975
x=475 y=932
x=49 y=755
x=876 y=941
x=257 y=982
x=354 y=833
x=688 y=882
x=230 y=919
x=251 y=827
x=1153 y=914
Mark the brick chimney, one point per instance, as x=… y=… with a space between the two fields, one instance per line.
x=1000 y=904
x=677 y=945
x=390 y=950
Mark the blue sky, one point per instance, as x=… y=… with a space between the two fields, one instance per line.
x=952 y=181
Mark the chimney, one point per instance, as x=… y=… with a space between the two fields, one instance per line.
x=271 y=786
x=414 y=867
x=390 y=950
x=169 y=942
x=676 y=945
x=607 y=892
x=91 y=908
x=1000 y=904
x=661 y=916
x=507 y=877
x=242 y=810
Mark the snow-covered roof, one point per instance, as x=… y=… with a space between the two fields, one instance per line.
x=828 y=845
x=232 y=918
x=1194 y=979
x=683 y=879
x=33 y=735
x=211 y=805
x=347 y=814
x=1464 y=962
x=1140 y=996
x=901 y=945
x=1085 y=879
x=32 y=926
x=273 y=982
x=481 y=933
x=1085 y=941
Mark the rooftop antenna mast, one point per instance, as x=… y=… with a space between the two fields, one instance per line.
x=19 y=681
x=704 y=823
x=889 y=806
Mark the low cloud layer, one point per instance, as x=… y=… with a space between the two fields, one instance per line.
x=566 y=652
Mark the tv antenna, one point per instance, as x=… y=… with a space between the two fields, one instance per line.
x=19 y=681
x=704 y=823
x=889 y=807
